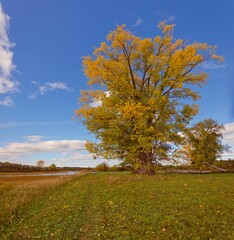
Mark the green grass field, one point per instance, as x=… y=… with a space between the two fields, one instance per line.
x=126 y=206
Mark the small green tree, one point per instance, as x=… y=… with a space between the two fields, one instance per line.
x=204 y=142
x=52 y=167
x=102 y=167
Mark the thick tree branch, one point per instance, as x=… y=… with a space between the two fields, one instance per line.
x=127 y=56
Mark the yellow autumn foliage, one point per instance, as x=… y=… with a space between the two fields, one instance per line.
x=150 y=94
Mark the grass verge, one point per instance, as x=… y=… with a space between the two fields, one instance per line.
x=126 y=206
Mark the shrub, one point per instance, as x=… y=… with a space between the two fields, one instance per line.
x=102 y=167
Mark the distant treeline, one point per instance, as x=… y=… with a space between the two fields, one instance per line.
x=15 y=167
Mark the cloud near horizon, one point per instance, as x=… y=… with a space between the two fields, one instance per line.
x=7 y=85
x=228 y=138
x=7 y=102
x=34 y=138
x=82 y=160
x=70 y=152
x=228 y=133
x=19 y=150
x=67 y=152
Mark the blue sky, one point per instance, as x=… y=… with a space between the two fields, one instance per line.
x=41 y=46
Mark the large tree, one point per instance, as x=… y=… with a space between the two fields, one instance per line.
x=204 y=142
x=142 y=94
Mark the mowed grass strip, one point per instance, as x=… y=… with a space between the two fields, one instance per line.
x=126 y=206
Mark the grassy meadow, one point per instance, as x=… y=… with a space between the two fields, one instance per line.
x=120 y=206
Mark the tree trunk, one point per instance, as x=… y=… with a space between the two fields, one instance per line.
x=147 y=168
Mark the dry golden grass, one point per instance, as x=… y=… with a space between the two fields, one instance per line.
x=19 y=191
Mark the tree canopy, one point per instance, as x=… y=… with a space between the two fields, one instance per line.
x=40 y=163
x=142 y=94
x=204 y=142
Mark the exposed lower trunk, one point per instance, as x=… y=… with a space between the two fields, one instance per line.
x=146 y=171
x=146 y=166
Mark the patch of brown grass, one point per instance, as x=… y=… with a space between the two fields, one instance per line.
x=17 y=192
x=4 y=187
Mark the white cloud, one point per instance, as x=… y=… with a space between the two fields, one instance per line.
x=65 y=152
x=228 y=155
x=228 y=133
x=98 y=103
x=7 y=102
x=170 y=19
x=213 y=65
x=33 y=96
x=138 y=22
x=7 y=85
x=34 y=138
x=164 y=16
x=48 y=87
x=228 y=138
x=82 y=160
x=52 y=86
x=16 y=150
